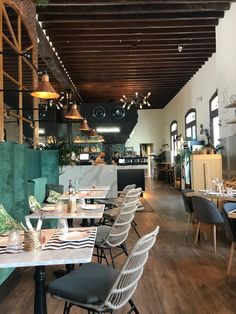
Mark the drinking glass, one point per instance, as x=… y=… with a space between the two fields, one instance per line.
x=59 y=206
x=229 y=191
x=76 y=185
x=14 y=243
x=62 y=226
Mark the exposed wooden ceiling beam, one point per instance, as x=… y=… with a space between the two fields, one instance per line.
x=136 y=8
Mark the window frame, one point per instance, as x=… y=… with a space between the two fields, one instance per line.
x=191 y=124
x=213 y=114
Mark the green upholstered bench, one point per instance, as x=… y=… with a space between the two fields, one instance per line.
x=40 y=189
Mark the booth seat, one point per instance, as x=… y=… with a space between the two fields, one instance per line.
x=40 y=189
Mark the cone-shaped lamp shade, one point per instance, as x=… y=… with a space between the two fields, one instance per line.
x=74 y=114
x=84 y=126
x=93 y=133
x=45 y=89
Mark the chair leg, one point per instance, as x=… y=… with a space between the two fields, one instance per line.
x=188 y=223
x=204 y=226
x=197 y=233
x=233 y=246
x=135 y=229
x=103 y=255
x=67 y=308
x=133 y=308
x=112 y=259
x=214 y=237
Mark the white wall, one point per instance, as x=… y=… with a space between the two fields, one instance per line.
x=148 y=130
x=219 y=72
x=226 y=68
x=195 y=94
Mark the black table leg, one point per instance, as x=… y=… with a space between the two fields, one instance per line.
x=40 y=305
x=70 y=223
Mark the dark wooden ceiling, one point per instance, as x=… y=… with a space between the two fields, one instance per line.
x=117 y=47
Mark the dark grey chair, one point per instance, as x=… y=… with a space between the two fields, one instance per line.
x=205 y=211
x=188 y=206
x=230 y=230
x=101 y=289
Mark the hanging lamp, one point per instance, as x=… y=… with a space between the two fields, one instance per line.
x=84 y=126
x=74 y=114
x=93 y=132
x=44 y=89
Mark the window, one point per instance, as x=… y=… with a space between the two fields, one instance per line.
x=214 y=119
x=173 y=140
x=190 y=125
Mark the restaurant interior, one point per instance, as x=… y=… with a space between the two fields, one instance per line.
x=117 y=156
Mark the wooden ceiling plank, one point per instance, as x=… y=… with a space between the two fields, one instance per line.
x=137 y=18
x=134 y=8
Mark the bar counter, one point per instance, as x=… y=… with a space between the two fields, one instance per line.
x=117 y=177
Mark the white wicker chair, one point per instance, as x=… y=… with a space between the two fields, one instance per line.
x=110 y=215
x=100 y=289
x=115 y=235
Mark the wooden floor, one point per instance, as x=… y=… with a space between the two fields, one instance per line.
x=178 y=277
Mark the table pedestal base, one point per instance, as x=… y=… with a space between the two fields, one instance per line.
x=40 y=305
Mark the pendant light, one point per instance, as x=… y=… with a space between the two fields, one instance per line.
x=93 y=133
x=74 y=114
x=84 y=126
x=44 y=89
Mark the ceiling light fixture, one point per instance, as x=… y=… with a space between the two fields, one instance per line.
x=84 y=126
x=108 y=129
x=74 y=114
x=138 y=100
x=44 y=89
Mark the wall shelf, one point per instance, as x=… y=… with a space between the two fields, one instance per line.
x=232 y=105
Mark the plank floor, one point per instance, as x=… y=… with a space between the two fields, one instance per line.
x=178 y=278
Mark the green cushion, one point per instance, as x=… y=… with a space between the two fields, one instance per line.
x=90 y=284
x=40 y=188
x=34 y=204
x=53 y=197
x=7 y=223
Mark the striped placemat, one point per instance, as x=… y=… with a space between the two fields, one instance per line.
x=56 y=244
x=4 y=250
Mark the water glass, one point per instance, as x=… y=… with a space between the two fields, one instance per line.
x=62 y=226
x=59 y=206
x=229 y=191
x=14 y=243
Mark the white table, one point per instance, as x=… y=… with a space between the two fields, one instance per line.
x=87 y=194
x=44 y=258
x=80 y=213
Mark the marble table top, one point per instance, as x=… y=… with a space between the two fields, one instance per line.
x=94 y=188
x=232 y=214
x=87 y=194
x=87 y=211
x=48 y=257
x=213 y=195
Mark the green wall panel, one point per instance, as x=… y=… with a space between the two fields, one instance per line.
x=6 y=177
x=49 y=166
x=20 y=182
x=33 y=164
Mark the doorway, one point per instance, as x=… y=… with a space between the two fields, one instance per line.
x=146 y=150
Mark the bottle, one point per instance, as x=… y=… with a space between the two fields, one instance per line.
x=70 y=187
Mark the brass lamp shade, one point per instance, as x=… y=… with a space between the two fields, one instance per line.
x=74 y=114
x=44 y=89
x=84 y=126
x=93 y=133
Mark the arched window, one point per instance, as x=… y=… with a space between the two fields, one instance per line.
x=173 y=140
x=190 y=125
x=214 y=119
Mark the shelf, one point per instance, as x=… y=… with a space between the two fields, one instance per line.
x=231 y=121
x=232 y=105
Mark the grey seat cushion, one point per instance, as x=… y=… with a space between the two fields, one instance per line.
x=90 y=284
x=102 y=233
